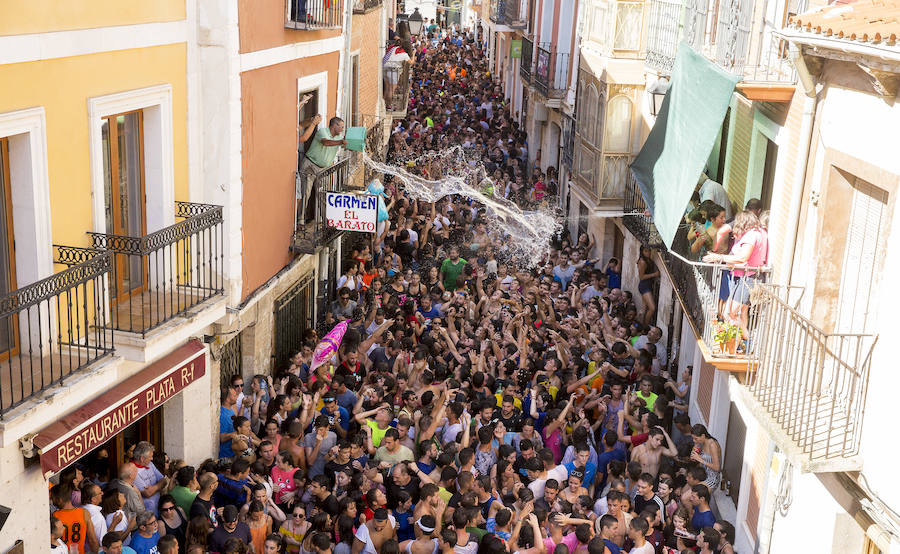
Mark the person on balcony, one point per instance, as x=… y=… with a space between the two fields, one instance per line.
x=320 y=155
x=394 y=58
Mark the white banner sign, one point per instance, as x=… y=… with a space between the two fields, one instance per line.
x=351 y=212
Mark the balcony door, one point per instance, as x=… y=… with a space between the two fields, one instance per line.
x=9 y=335
x=125 y=200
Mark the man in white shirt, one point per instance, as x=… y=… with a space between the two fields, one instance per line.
x=711 y=190
x=57 y=546
x=91 y=496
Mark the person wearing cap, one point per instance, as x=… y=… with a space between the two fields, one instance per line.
x=370 y=537
x=230 y=527
x=425 y=542
x=318 y=443
x=338 y=416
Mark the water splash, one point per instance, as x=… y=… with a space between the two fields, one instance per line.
x=525 y=235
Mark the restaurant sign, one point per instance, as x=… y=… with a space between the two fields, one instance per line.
x=88 y=427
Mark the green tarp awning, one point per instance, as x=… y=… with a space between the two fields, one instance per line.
x=679 y=144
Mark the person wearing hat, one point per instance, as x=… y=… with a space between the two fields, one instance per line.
x=374 y=533
x=230 y=527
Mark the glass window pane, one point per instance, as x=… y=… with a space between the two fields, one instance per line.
x=628 y=25
x=618 y=125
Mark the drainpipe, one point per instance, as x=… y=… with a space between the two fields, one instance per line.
x=806 y=127
x=346 y=66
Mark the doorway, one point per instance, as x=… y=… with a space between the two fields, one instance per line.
x=124 y=199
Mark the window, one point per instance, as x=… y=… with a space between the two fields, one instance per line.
x=8 y=331
x=600 y=24
x=861 y=258
x=586 y=163
x=628 y=25
x=123 y=179
x=618 y=125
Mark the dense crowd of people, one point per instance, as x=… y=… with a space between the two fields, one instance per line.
x=473 y=406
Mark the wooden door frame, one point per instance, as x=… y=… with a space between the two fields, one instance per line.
x=6 y=184
x=122 y=260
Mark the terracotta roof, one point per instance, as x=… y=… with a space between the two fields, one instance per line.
x=870 y=21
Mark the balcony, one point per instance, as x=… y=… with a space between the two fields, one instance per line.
x=365 y=6
x=498 y=11
x=568 y=142
x=525 y=64
x=551 y=72
x=166 y=274
x=396 y=93
x=663 y=35
x=515 y=14
x=314 y=15
x=730 y=33
x=807 y=386
x=55 y=327
x=311 y=230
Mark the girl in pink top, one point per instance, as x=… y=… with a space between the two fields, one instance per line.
x=749 y=253
x=283 y=478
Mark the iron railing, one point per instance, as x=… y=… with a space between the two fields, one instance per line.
x=812 y=383
x=396 y=94
x=551 y=71
x=527 y=59
x=312 y=15
x=736 y=36
x=311 y=229
x=363 y=6
x=54 y=327
x=515 y=13
x=637 y=218
x=164 y=274
x=662 y=35
x=498 y=11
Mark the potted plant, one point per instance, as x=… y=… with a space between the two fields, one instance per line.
x=726 y=337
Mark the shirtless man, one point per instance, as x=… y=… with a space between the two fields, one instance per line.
x=372 y=535
x=425 y=541
x=648 y=453
x=618 y=508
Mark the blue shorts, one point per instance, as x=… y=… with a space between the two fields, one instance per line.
x=645 y=286
x=725 y=285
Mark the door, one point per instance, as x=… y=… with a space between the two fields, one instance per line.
x=768 y=179
x=9 y=335
x=123 y=175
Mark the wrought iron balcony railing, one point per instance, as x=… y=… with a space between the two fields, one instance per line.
x=165 y=274
x=637 y=218
x=731 y=33
x=314 y=15
x=498 y=11
x=54 y=327
x=663 y=34
x=811 y=383
x=551 y=71
x=516 y=13
x=311 y=229
x=364 y=6
x=396 y=84
x=527 y=61
x=568 y=152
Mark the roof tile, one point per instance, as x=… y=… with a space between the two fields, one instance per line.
x=870 y=21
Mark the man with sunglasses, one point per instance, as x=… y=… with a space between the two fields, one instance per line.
x=230 y=527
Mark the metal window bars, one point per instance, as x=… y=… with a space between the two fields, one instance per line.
x=54 y=327
x=527 y=60
x=165 y=274
x=311 y=229
x=397 y=83
x=312 y=15
x=551 y=71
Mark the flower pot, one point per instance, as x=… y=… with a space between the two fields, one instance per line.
x=731 y=346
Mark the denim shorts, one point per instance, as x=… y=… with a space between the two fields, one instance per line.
x=742 y=287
